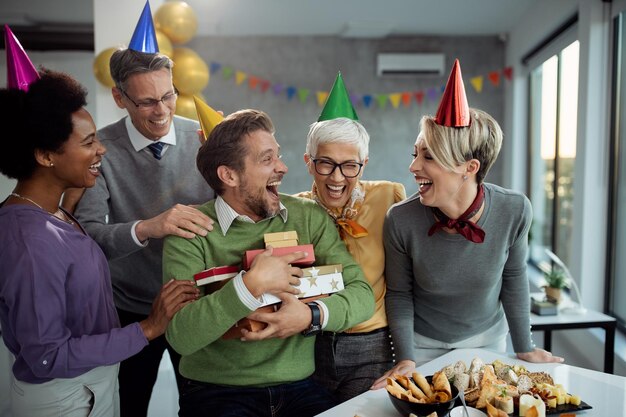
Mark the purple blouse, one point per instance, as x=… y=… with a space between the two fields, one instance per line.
x=56 y=305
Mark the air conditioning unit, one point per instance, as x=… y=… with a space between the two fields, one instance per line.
x=410 y=64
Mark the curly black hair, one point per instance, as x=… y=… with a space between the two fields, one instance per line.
x=38 y=119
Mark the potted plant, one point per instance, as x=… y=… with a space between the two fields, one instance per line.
x=556 y=280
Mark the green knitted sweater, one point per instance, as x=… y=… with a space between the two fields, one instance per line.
x=195 y=331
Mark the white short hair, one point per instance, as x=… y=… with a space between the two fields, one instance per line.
x=340 y=130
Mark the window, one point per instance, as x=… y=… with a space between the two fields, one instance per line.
x=552 y=142
x=617 y=223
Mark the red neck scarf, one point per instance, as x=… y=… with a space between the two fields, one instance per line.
x=469 y=230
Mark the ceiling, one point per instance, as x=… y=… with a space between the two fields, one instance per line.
x=347 y=18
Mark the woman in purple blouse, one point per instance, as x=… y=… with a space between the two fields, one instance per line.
x=56 y=304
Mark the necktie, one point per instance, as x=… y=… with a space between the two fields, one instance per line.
x=156 y=148
x=469 y=230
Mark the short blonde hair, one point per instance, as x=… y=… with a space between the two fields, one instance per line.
x=453 y=146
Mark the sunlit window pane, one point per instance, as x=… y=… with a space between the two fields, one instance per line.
x=553 y=120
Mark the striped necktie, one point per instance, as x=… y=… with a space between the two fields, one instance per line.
x=156 y=148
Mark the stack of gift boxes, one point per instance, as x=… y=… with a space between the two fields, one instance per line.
x=316 y=282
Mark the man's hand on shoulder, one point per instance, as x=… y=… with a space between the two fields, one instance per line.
x=180 y=220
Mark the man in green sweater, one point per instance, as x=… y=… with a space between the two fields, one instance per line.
x=265 y=372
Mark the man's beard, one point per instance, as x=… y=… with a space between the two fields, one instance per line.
x=257 y=202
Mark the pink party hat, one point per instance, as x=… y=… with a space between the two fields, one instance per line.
x=453 y=110
x=21 y=72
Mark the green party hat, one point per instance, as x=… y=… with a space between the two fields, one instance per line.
x=338 y=103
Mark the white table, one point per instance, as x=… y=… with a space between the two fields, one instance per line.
x=590 y=318
x=604 y=392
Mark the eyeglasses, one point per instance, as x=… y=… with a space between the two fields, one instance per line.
x=347 y=169
x=150 y=103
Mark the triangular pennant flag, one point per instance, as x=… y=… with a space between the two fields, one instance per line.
x=253 y=82
x=367 y=100
x=494 y=77
x=144 y=36
x=406 y=99
x=278 y=89
x=227 y=72
x=395 y=99
x=508 y=73
x=265 y=85
x=477 y=83
x=207 y=117
x=338 y=103
x=291 y=91
x=453 y=109
x=321 y=97
x=21 y=72
x=215 y=67
x=240 y=77
x=419 y=97
x=303 y=93
x=432 y=93
x=354 y=99
x=381 y=99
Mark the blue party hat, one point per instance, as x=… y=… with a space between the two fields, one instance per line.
x=144 y=37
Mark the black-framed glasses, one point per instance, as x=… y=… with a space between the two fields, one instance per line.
x=150 y=103
x=327 y=167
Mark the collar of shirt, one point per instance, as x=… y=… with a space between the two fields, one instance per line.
x=226 y=215
x=140 y=142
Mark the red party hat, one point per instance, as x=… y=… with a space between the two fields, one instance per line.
x=453 y=110
x=21 y=72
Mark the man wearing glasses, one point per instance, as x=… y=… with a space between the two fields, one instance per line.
x=145 y=192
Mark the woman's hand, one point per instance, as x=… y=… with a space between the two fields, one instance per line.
x=539 y=356
x=405 y=367
x=173 y=296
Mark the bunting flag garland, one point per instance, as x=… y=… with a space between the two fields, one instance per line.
x=477 y=83
x=253 y=82
x=265 y=85
x=278 y=88
x=240 y=77
x=381 y=99
x=433 y=94
x=508 y=73
x=419 y=97
x=303 y=93
x=405 y=98
x=215 y=67
x=395 y=99
x=494 y=77
x=227 y=72
x=321 y=97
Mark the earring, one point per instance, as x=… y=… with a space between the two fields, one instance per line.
x=51 y=165
x=464 y=177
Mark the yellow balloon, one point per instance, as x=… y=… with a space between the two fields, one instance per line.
x=165 y=45
x=177 y=20
x=190 y=73
x=186 y=107
x=101 y=67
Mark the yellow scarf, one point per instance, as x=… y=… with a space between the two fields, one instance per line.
x=344 y=217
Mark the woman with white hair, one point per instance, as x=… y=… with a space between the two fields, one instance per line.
x=336 y=155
